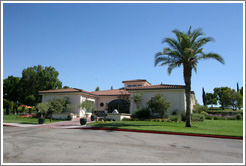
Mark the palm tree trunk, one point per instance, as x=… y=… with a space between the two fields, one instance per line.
x=187 y=78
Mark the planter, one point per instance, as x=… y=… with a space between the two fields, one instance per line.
x=41 y=120
x=83 y=121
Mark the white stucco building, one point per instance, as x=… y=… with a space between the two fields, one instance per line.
x=121 y=99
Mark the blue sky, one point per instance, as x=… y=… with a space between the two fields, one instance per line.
x=101 y=45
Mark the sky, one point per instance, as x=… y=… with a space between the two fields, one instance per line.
x=103 y=44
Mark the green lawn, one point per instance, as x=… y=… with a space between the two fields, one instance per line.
x=16 y=119
x=214 y=127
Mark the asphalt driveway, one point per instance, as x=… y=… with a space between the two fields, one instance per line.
x=45 y=145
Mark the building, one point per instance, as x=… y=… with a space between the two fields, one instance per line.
x=121 y=99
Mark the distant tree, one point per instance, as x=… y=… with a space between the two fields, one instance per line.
x=65 y=87
x=6 y=106
x=219 y=92
x=238 y=90
x=158 y=104
x=232 y=98
x=56 y=105
x=11 y=88
x=185 y=50
x=204 y=97
x=111 y=88
x=241 y=91
x=97 y=88
x=137 y=99
x=37 y=78
x=211 y=99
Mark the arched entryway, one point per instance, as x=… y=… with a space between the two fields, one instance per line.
x=121 y=105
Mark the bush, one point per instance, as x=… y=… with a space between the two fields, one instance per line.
x=142 y=114
x=83 y=121
x=69 y=117
x=158 y=104
x=174 y=118
x=175 y=112
x=199 y=108
x=238 y=116
x=197 y=117
x=183 y=116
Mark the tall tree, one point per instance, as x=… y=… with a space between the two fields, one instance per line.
x=185 y=50
x=37 y=78
x=238 y=90
x=204 y=97
x=11 y=88
x=211 y=99
x=219 y=93
x=111 y=88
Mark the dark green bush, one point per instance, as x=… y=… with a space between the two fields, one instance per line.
x=92 y=117
x=141 y=114
x=69 y=117
x=238 y=116
x=197 y=117
x=209 y=117
x=83 y=121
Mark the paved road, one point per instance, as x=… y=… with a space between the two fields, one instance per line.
x=44 y=145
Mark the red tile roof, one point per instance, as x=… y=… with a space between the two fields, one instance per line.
x=114 y=92
x=159 y=86
x=68 y=90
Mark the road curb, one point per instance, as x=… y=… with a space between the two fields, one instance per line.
x=163 y=132
x=10 y=125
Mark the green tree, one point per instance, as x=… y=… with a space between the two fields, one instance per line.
x=87 y=105
x=6 y=106
x=185 y=50
x=204 y=97
x=158 y=104
x=211 y=99
x=37 y=78
x=137 y=99
x=111 y=88
x=65 y=87
x=11 y=88
x=219 y=93
x=232 y=98
x=43 y=108
x=238 y=90
x=97 y=88
x=30 y=100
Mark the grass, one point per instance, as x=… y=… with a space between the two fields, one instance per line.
x=213 y=127
x=16 y=119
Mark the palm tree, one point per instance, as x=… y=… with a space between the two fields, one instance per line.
x=185 y=50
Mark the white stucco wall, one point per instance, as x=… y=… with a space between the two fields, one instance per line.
x=75 y=99
x=176 y=97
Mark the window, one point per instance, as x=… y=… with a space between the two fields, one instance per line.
x=129 y=86
x=134 y=85
x=101 y=104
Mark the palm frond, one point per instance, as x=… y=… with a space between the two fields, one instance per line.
x=202 y=41
x=161 y=59
x=212 y=56
x=172 y=43
x=171 y=67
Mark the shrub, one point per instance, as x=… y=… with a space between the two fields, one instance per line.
x=238 y=116
x=208 y=117
x=175 y=112
x=142 y=114
x=199 y=108
x=197 y=117
x=175 y=118
x=183 y=116
x=158 y=104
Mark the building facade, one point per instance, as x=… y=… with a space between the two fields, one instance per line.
x=121 y=99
